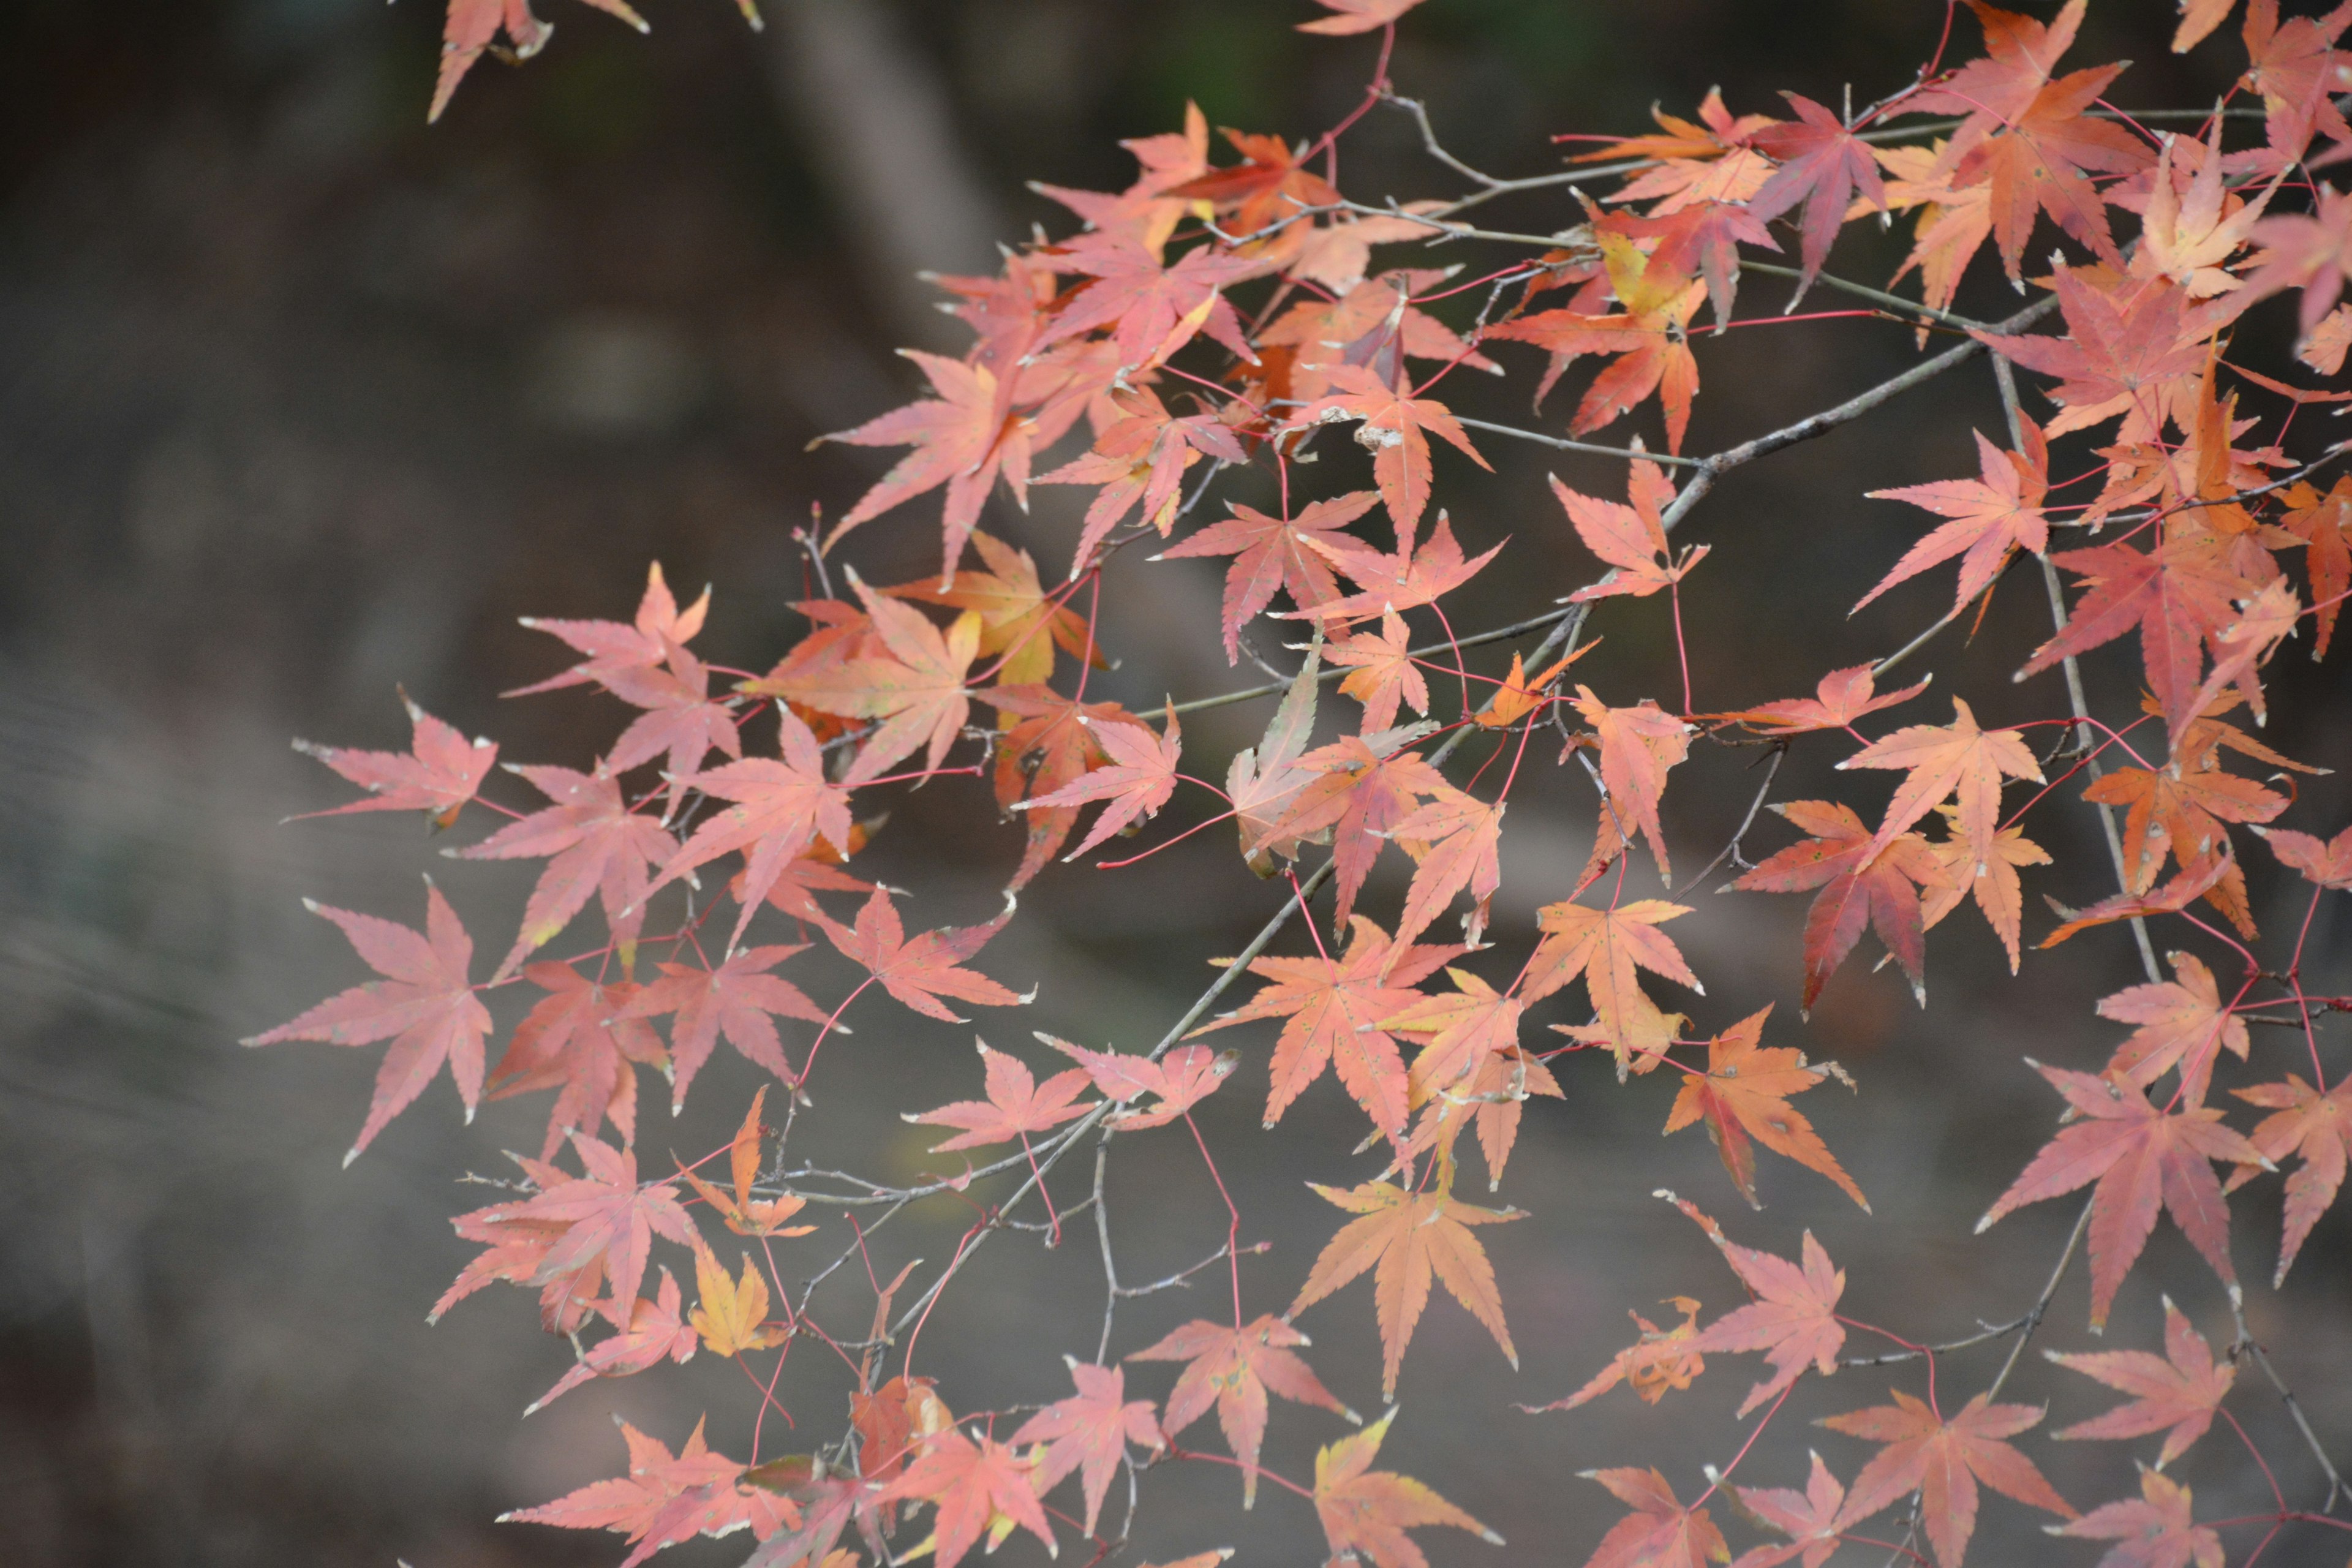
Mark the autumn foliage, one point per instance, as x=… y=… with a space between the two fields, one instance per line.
x=2172 y=503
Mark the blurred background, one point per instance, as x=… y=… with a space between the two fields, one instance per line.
x=299 y=399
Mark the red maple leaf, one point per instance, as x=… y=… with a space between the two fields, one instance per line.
x=667 y=1498
x=1142 y=457
x=1943 y=1461
x=2295 y=68
x=2139 y=353
x=1631 y=539
x=1360 y=794
x=2326 y=864
x=1382 y=672
x=1607 y=947
x=1357 y=15
x=596 y=845
x=1273 y=553
x=1809 y=1518
x=609 y=1222
x=1407 y=1237
x=1659 y=1532
x=1998 y=889
x=1457 y=839
x=680 y=719
x=423 y=1004
x=2196 y=880
x=579 y=1040
x=969 y=1482
x=920 y=970
x=1269 y=184
x=1956 y=762
x=2142 y=1159
x=2183 y=1023
x=1016 y=1106
x=1366 y=1512
x=1400 y=582
x=2316 y=1127
x=1153 y=308
x=1396 y=427
x=1331 y=1010
x=1793 y=1319
x=1860 y=887
x=1842 y=697
x=1743 y=1094
x=1640 y=745
x=1045 y=747
x=782 y=806
x=2323 y=523
x=438 y=775
x=1648 y=339
x=1235 y=1368
x=1823 y=164
x=1089 y=1431
x=2176 y=596
x=1179 y=1081
x=2180 y=1390
x=1661 y=1362
x=734 y=997
x=652 y=1329
x=963 y=439
x=615 y=649
x=1137 y=778
x=1992 y=518
x=2154 y=1530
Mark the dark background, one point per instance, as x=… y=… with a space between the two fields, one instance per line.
x=299 y=399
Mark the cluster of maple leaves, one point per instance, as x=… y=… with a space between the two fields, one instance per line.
x=1132 y=336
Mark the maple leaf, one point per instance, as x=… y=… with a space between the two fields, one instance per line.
x=680 y=719
x=824 y=1504
x=595 y=844
x=1153 y=309
x=1744 y=1094
x=1859 y=886
x=1458 y=1032
x=1661 y=1361
x=1822 y=165
x=1842 y=697
x=1659 y=1532
x=1179 y=1081
x=782 y=806
x=2180 y=1390
x=2295 y=68
x=2183 y=1023
x=1999 y=892
x=1016 y=1106
x=667 y=1498
x=1356 y=16
x=513 y=1249
x=1639 y=746
x=1264 y=782
x=744 y=1215
x=2138 y=354
x=614 y=649
x=2155 y=1530
x=1089 y=1431
x=1042 y=749
x=1648 y=339
x=962 y=438
x=1809 y=1518
x=1142 y=457
x=1235 y=1368
x=1793 y=1319
x=1331 y=1011
x=2176 y=596
x=1631 y=539
x=735 y=998
x=1275 y=552
x=2196 y=880
x=970 y=1483
x=2324 y=525
x=1136 y=779
x=733 y=1314
x=1606 y=947
x=2314 y=1126
x=2324 y=864
x=920 y=970
x=1394 y=427
x=916 y=686
x=2142 y=1159
x=438 y=775
x=1952 y=224
x=2190 y=235
x=1410 y=1237
x=579 y=1040
x=1956 y=760
x=1382 y=672
x=609 y=1220
x=2305 y=252
x=1360 y=789
x=1992 y=518
x=1457 y=839
x=423 y=1004
x=1366 y=1512
x=650 y=1333
x=1400 y=582
x=1943 y=1461
x=1496 y=1088
x=1018 y=619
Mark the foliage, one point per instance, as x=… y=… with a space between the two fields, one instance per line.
x=1220 y=316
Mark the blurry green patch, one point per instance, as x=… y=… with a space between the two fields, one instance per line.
x=592 y=94
x=1229 y=59
x=1552 y=45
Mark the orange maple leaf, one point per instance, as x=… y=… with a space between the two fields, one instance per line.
x=1366 y=1512
x=1992 y=518
x=1649 y=338
x=1956 y=762
x=1016 y=1106
x=1394 y=427
x=2176 y=1393
x=1631 y=539
x=2314 y=1126
x=1235 y=1368
x=1943 y=1461
x=1018 y=619
x=1743 y=1093
x=438 y=775
x=1137 y=776
x=970 y=1483
x=1659 y=1532
x=667 y=1498
x=920 y=970
x=1639 y=747
x=1088 y=1433
x=1860 y=886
